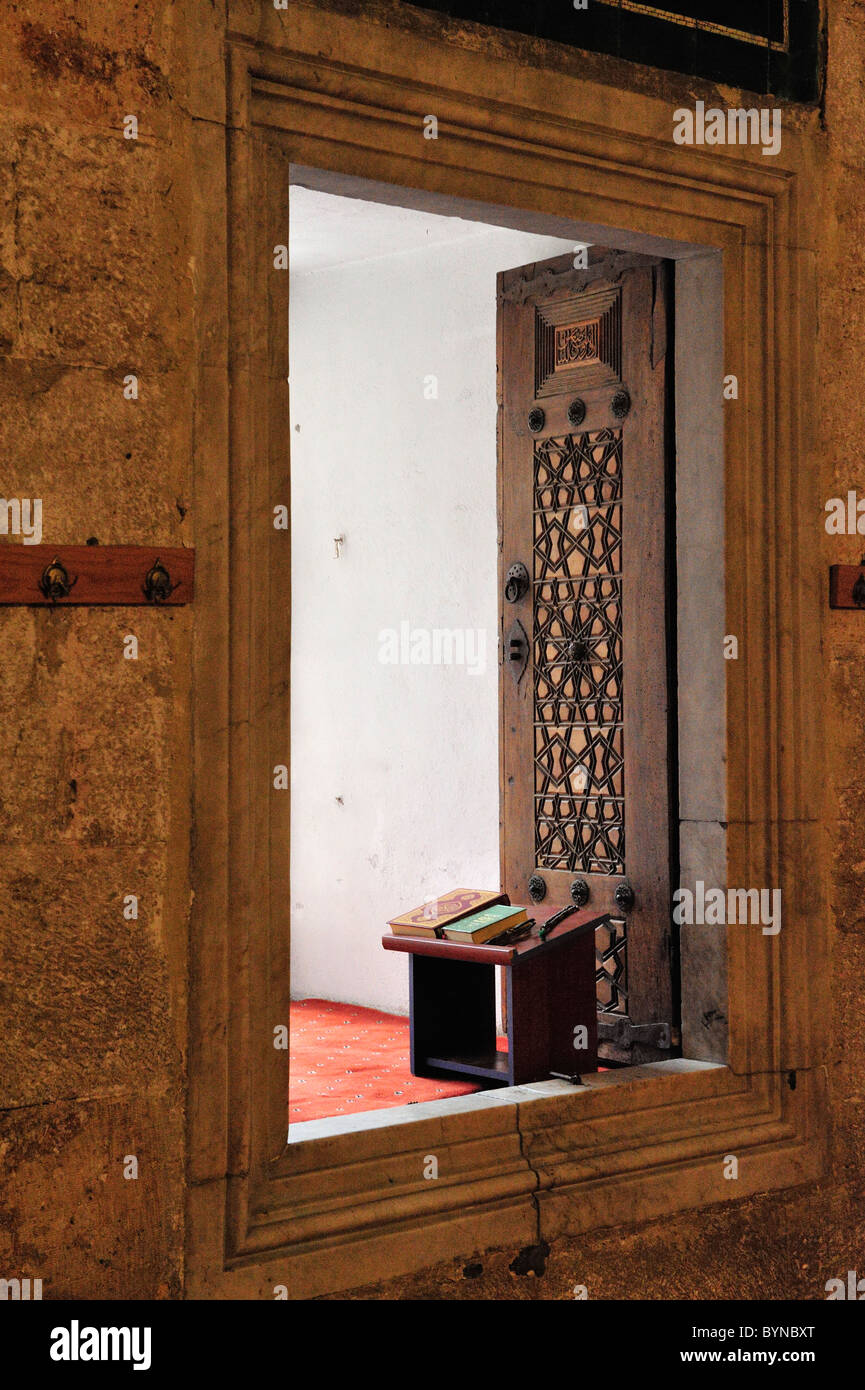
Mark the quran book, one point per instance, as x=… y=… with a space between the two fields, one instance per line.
x=441 y=912
x=480 y=926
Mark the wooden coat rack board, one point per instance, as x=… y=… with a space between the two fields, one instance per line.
x=57 y=576
x=847 y=586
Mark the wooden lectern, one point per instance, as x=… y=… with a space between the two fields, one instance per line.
x=550 y=996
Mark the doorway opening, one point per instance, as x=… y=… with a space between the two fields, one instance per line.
x=395 y=600
x=396 y=614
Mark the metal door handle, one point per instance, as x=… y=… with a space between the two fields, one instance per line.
x=516 y=582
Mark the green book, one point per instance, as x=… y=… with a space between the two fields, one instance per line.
x=480 y=926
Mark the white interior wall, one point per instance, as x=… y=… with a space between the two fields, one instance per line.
x=394 y=767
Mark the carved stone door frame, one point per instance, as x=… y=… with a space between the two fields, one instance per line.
x=337 y=1212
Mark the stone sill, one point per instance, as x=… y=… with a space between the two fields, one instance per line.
x=308 y=1131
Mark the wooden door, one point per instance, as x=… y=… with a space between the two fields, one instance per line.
x=588 y=773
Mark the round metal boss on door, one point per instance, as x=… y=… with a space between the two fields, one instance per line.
x=579 y=892
x=537 y=420
x=537 y=888
x=620 y=404
x=624 y=896
x=577 y=411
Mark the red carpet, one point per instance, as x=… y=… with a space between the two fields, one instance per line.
x=345 y=1058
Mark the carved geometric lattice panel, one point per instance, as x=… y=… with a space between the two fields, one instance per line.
x=582 y=834
x=578 y=728
x=611 y=970
x=579 y=468
x=578 y=651
x=560 y=750
x=578 y=542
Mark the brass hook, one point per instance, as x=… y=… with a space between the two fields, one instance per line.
x=157 y=585
x=55 y=582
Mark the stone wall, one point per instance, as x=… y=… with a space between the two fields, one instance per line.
x=95 y=285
